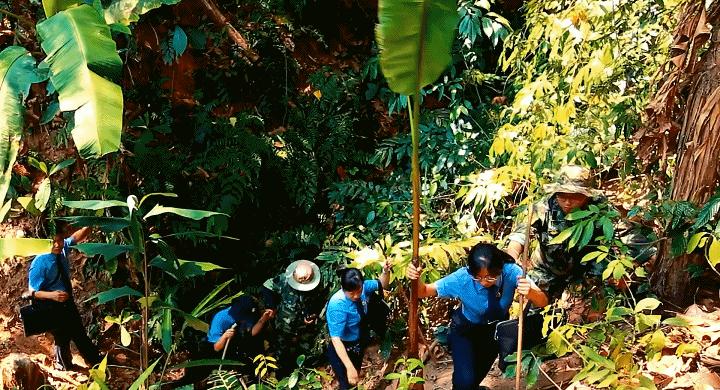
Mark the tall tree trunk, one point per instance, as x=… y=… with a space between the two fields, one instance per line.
x=698 y=159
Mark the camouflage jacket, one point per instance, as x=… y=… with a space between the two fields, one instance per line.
x=554 y=266
x=292 y=307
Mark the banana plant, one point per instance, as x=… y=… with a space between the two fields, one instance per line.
x=415 y=39
x=37 y=204
x=132 y=228
x=18 y=72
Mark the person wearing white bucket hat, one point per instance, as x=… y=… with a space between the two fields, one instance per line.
x=296 y=298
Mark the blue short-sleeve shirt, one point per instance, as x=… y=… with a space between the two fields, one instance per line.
x=44 y=274
x=343 y=317
x=223 y=320
x=481 y=304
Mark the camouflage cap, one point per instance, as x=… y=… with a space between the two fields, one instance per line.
x=306 y=280
x=573 y=179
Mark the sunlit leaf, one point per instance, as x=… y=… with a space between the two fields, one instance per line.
x=187 y=213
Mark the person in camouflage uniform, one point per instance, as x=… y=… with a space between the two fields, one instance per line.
x=553 y=267
x=296 y=301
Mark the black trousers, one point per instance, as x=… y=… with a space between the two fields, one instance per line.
x=473 y=349
x=355 y=353
x=70 y=328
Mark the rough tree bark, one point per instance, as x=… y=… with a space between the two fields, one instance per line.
x=695 y=82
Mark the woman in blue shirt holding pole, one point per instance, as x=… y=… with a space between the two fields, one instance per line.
x=485 y=287
x=346 y=311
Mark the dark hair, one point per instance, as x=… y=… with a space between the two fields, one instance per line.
x=351 y=279
x=488 y=256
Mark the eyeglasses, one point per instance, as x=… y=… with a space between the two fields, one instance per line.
x=486 y=278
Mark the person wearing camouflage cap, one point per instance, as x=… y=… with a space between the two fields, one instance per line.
x=296 y=299
x=554 y=266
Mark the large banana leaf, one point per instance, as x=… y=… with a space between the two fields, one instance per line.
x=17 y=73
x=127 y=11
x=415 y=39
x=80 y=52
x=10 y=247
x=52 y=7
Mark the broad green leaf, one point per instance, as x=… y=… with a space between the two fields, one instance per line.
x=108 y=251
x=580 y=214
x=93 y=204
x=37 y=164
x=693 y=242
x=166 y=330
x=125 y=12
x=50 y=113
x=560 y=238
x=179 y=41
x=167 y=194
x=143 y=377
x=17 y=73
x=597 y=358
x=598 y=375
x=115 y=293
x=609 y=380
x=42 y=196
x=415 y=39
x=676 y=321
x=587 y=235
x=52 y=7
x=10 y=247
x=196 y=323
x=688 y=348
x=125 y=338
x=608 y=228
x=80 y=52
x=28 y=203
x=196 y=268
x=187 y=213
x=106 y=224
x=61 y=165
x=714 y=253
x=198 y=310
x=647 y=304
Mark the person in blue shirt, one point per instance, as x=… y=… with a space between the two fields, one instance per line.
x=485 y=288
x=346 y=311
x=243 y=313
x=49 y=282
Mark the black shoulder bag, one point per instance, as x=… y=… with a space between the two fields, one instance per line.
x=377 y=312
x=43 y=315
x=506 y=334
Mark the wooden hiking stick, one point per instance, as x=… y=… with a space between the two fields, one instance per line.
x=521 y=316
x=226 y=347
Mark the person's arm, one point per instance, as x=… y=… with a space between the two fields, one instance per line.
x=57 y=296
x=81 y=235
x=424 y=290
x=385 y=275
x=532 y=292
x=220 y=344
x=514 y=249
x=342 y=354
x=260 y=324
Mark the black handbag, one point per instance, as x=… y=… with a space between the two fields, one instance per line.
x=41 y=316
x=506 y=335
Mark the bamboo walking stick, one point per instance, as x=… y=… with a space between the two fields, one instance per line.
x=521 y=315
x=227 y=342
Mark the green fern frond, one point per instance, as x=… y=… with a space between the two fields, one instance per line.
x=225 y=380
x=708 y=212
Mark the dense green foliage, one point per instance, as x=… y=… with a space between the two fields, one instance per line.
x=308 y=152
